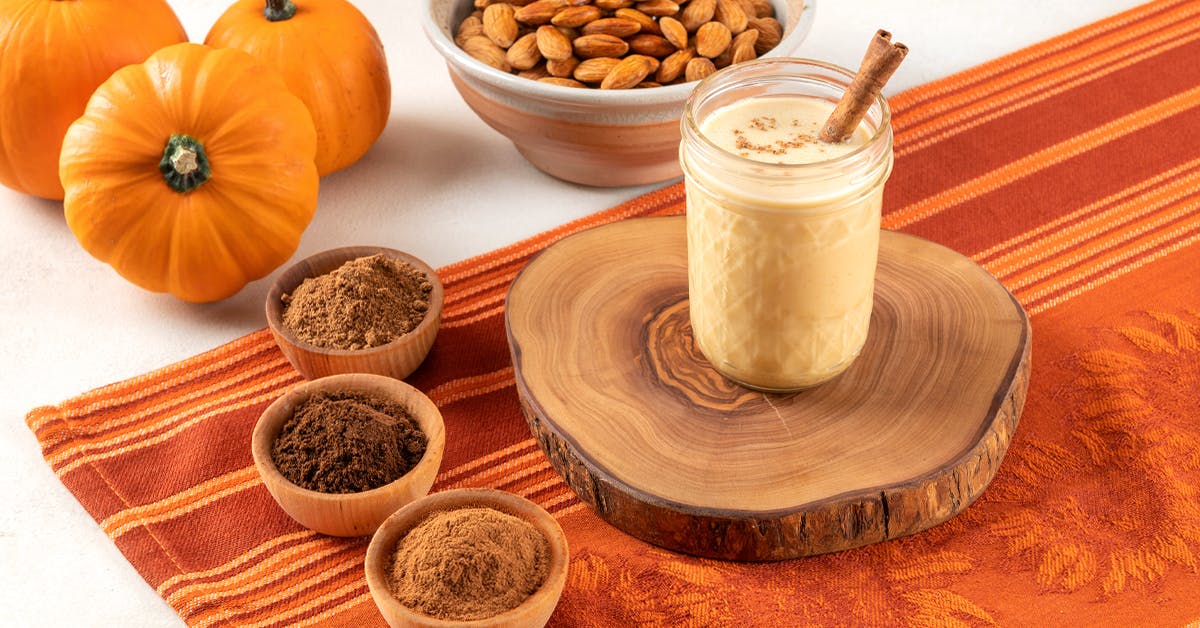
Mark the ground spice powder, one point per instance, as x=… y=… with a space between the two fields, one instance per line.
x=367 y=302
x=347 y=442
x=468 y=564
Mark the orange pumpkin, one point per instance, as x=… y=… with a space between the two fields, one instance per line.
x=192 y=173
x=331 y=58
x=52 y=56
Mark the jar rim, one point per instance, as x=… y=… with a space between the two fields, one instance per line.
x=692 y=128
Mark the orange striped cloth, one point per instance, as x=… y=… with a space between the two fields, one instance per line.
x=1069 y=170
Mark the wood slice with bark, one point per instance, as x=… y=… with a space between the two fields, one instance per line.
x=660 y=445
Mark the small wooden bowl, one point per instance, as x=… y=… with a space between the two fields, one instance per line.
x=349 y=514
x=398 y=358
x=533 y=612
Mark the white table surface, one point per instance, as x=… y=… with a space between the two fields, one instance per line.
x=438 y=183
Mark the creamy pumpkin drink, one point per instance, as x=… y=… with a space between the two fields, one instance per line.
x=783 y=227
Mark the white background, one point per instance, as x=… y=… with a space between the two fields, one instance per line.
x=438 y=183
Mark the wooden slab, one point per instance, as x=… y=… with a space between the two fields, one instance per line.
x=664 y=448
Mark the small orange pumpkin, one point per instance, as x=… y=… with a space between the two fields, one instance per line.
x=52 y=56
x=191 y=173
x=330 y=56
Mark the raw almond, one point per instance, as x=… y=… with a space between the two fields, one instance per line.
x=594 y=70
x=613 y=5
x=674 y=31
x=763 y=8
x=524 y=53
x=645 y=84
x=575 y=17
x=615 y=26
x=697 y=13
x=552 y=43
x=743 y=46
x=562 y=68
x=565 y=82
x=658 y=8
x=672 y=67
x=538 y=13
x=629 y=72
x=487 y=51
x=712 y=39
x=730 y=13
x=651 y=45
x=537 y=72
x=698 y=68
x=500 y=25
x=589 y=46
x=647 y=22
x=725 y=58
x=770 y=32
x=470 y=27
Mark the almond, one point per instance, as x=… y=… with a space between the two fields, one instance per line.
x=743 y=46
x=565 y=82
x=698 y=68
x=563 y=68
x=552 y=43
x=712 y=39
x=724 y=59
x=645 y=84
x=615 y=26
x=647 y=22
x=674 y=31
x=575 y=17
x=629 y=72
x=763 y=8
x=500 y=25
x=748 y=8
x=697 y=13
x=613 y=5
x=594 y=70
x=672 y=67
x=524 y=53
x=538 y=13
x=470 y=27
x=487 y=51
x=658 y=8
x=589 y=46
x=651 y=45
x=537 y=72
x=770 y=32
x=730 y=13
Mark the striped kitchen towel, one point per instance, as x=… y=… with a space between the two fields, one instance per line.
x=1069 y=170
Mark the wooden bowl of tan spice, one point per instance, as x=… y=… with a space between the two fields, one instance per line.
x=340 y=454
x=468 y=557
x=356 y=309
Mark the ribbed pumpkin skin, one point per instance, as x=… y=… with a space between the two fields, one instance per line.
x=53 y=54
x=331 y=57
x=238 y=226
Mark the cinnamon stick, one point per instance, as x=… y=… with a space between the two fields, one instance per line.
x=881 y=60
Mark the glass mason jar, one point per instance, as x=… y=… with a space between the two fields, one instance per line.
x=781 y=257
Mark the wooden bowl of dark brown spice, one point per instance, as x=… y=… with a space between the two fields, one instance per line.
x=341 y=453
x=468 y=557
x=356 y=309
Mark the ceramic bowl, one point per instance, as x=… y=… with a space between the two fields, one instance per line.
x=349 y=514
x=533 y=612
x=590 y=136
x=398 y=358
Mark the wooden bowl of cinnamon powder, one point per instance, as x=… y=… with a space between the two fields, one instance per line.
x=340 y=454
x=468 y=557
x=356 y=309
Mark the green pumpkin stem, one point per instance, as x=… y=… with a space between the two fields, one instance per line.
x=184 y=164
x=279 y=10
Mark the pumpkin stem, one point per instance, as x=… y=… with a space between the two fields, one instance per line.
x=184 y=164
x=279 y=10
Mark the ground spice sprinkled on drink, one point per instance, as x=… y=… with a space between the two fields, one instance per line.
x=347 y=442
x=365 y=303
x=468 y=564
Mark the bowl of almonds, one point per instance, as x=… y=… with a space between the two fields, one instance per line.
x=591 y=91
